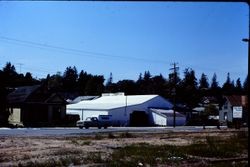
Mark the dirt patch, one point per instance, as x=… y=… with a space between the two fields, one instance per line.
x=88 y=150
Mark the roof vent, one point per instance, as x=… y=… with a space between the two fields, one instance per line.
x=114 y=94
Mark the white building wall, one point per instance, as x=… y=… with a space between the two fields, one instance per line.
x=159 y=120
x=122 y=115
x=226 y=111
x=86 y=113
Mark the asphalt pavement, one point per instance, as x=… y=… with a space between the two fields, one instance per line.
x=60 y=131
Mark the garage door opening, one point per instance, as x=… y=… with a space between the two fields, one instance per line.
x=139 y=119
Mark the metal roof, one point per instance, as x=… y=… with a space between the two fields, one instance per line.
x=168 y=113
x=111 y=102
x=83 y=98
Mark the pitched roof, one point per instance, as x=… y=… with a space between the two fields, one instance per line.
x=33 y=94
x=21 y=93
x=167 y=113
x=237 y=100
x=82 y=98
x=111 y=102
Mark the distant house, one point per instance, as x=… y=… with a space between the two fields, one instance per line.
x=234 y=107
x=131 y=110
x=35 y=106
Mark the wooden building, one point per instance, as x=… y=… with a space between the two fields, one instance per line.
x=35 y=106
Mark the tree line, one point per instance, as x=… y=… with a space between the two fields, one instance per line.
x=187 y=90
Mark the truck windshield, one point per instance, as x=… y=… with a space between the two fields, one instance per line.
x=88 y=119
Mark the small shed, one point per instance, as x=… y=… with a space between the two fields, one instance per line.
x=163 y=117
x=131 y=110
x=35 y=106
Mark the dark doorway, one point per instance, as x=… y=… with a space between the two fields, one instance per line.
x=139 y=118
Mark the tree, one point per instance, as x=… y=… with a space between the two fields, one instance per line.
x=10 y=69
x=238 y=87
x=214 y=83
x=55 y=82
x=245 y=85
x=94 y=85
x=228 y=86
x=210 y=110
x=9 y=75
x=129 y=87
x=215 y=89
x=70 y=77
x=159 y=85
x=203 y=82
x=145 y=83
x=189 y=91
x=82 y=81
x=28 y=79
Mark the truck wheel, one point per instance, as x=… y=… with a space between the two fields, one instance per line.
x=80 y=127
x=99 y=127
x=105 y=127
x=86 y=127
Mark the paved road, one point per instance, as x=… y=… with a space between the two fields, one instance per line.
x=76 y=131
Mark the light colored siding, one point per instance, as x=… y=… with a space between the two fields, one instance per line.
x=159 y=120
x=15 y=116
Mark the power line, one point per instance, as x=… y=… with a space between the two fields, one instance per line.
x=75 y=51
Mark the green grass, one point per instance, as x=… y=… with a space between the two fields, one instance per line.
x=213 y=147
x=149 y=154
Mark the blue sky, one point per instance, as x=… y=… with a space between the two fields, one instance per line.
x=125 y=38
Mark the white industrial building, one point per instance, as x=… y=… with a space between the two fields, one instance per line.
x=131 y=110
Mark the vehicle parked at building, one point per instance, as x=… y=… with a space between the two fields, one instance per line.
x=100 y=121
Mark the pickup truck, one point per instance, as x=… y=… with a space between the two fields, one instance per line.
x=100 y=121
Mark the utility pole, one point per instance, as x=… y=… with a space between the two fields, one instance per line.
x=175 y=68
x=20 y=67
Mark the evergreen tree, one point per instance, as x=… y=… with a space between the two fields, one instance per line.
x=159 y=85
x=55 y=82
x=70 y=77
x=203 y=82
x=189 y=92
x=214 y=83
x=145 y=83
x=228 y=86
x=129 y=87
x=245 y=86
x=84 y=77
x=94 y=85
x=10 y=75
x=238 y=87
